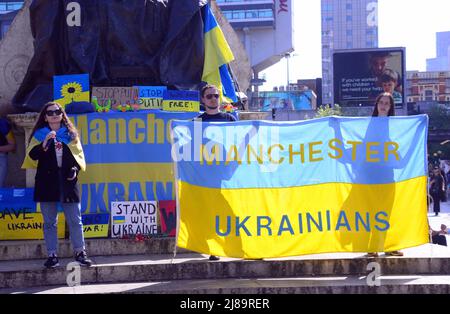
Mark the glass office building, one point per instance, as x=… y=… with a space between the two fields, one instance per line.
x=442 y=60
x=346 y=24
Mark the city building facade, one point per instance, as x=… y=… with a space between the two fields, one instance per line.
x=265 y=29
x=348 y=24
x=427 y=89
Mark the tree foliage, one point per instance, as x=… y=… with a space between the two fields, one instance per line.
x=328 y=110
x=439 y=118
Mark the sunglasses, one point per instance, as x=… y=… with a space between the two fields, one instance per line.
x=210 y=96
x=56 y=112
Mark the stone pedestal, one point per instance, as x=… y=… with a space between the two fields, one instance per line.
x=248 y=115
x=26 y=122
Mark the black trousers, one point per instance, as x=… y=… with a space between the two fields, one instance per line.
x=436 y=203
x=439 y=239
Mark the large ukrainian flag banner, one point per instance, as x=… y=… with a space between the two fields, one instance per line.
x=217 y=56
x=256 y=189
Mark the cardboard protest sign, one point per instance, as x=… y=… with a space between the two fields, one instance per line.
x=181 y=100
x=116 y=95
x=151 y=97
x=95 y=225
x=168 y=217
x=132 y=218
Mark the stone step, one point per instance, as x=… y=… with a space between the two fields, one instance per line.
x=296 y=285
x=423 y=260
x=35 y=249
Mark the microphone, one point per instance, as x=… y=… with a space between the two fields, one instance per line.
x=50 y=140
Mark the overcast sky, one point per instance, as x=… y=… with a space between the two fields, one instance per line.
x=402 y=23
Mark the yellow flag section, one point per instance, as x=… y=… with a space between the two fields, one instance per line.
x=256 y=189
x=300 y=220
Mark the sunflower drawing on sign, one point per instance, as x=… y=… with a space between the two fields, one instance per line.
x=71 y=91
x=71 y=88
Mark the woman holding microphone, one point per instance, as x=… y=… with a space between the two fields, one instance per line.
x=55 y=150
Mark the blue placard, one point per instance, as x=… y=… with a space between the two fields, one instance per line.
x=150 y=97
x=95 y=219
x=187 y=95
x=151 y=91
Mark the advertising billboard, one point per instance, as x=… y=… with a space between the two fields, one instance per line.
x=292 y=100
x=361 y=75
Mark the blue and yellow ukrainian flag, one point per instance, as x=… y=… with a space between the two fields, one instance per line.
x=257 y=189
x=118 y=219
x=217 y=56
x=62 y=135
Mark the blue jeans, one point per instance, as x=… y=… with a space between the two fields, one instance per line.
x=73 y=217
x=3 y=168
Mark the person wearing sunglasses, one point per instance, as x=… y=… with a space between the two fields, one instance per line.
x=55 y=150
x=210 y=99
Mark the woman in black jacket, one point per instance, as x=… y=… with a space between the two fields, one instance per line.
x=55 y=149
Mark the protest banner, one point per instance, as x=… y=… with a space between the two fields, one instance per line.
x=256 y=189
x=127 y=157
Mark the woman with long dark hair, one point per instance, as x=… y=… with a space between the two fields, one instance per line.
x=384 y=107
x=55 y=150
